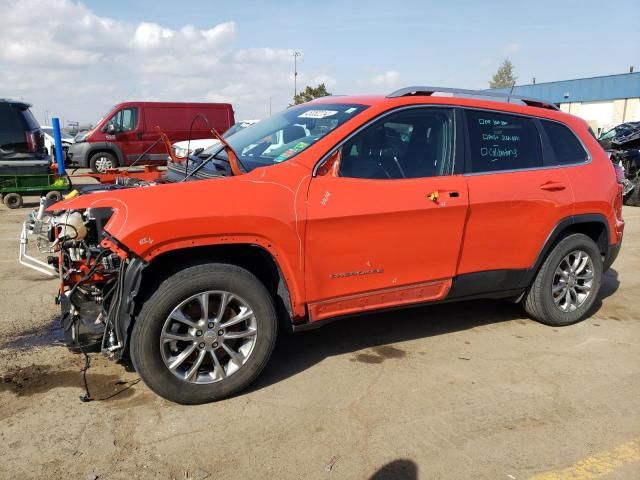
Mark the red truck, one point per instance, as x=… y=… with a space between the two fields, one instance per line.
x=128 y=130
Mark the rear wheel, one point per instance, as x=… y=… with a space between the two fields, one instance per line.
x=12 y=200
x=102 y=161
x=206 y=333
x=567 y=284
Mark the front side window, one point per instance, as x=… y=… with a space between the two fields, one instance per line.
x=566 y=147
x=502 y=142
x=413 y=143
x=124 y=120
x=286 y=134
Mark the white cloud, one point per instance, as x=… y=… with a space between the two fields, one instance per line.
x=511 y=48
x=77 y=64
x=387 y=79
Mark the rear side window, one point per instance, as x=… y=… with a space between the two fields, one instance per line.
x=30 y=120
x=566 y=147
x=12 y=128
x=502 y=142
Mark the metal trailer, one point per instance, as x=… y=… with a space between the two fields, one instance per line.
x=12 y=187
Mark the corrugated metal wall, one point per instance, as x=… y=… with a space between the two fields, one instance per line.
x=611 y=87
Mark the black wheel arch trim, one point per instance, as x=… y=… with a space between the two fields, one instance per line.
x=104 y=147
x=132 y=287
x=563 y=226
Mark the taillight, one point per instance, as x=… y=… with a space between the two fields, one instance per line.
x=31 y=141
x=619 y=169
x=39 y=140
x=35 y=141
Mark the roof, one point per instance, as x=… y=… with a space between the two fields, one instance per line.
x=609 y=87
x=463 y=93
x=17 y=103
x=379 y=103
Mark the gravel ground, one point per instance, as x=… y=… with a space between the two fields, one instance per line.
x=468 y=390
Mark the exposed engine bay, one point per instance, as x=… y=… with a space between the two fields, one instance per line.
x=90 y=273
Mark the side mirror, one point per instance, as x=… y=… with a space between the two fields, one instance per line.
x=111 y=128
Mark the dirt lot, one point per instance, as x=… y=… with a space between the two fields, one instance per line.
x=473 y=390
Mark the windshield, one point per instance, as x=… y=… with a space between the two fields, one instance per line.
x=236 y=128
x=286 y=134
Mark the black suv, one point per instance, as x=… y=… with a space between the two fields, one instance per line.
x=22 y=147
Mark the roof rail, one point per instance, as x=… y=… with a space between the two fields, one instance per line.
x=498 y=96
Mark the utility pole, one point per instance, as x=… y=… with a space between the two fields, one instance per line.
x=295 y=54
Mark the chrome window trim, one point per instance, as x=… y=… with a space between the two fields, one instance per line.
x=362 y=127
x=543 y=167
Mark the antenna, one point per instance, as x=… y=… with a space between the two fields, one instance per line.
x=511 y=92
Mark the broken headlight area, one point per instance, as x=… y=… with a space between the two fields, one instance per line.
x=90 y=267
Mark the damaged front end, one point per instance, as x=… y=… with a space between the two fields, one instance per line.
x=98 y=278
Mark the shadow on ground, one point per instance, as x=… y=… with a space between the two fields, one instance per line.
x=401 y=469
x=297 y=352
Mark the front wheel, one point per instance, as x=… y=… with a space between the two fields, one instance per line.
x=568 y=282
x=206 y=333
x=102 y=161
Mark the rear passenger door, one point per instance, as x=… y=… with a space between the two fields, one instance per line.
x=515 y=197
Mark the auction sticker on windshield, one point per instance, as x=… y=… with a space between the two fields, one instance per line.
x=317 y=113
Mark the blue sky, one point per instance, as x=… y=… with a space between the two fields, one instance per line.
x=355 y=47
x=458 y=43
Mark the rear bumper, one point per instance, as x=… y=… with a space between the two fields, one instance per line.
x=611 y=255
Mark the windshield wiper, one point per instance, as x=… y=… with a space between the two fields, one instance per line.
x=234 y=160
x=204 y=162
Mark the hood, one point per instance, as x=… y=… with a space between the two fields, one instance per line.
x=149 y=220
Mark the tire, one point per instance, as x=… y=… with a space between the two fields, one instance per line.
x=102 y=161
x=53 y=196
x=539 y=301
x=174 y=301
x=12 y=200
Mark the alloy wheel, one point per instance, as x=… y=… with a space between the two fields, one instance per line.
x=572 y=281
x=103 y=164
x=208 y=337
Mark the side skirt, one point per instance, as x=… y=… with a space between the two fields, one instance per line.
x=494 y=284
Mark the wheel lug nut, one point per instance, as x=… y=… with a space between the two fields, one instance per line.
x=221 y=332
x=215 y=344
x=199 y=333
x=210 y=324
x=201 y=345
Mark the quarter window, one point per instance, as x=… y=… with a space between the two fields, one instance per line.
x=502 y=142
x=566 y=147
x=409 y=144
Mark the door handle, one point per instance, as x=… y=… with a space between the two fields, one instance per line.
x=552 y=186
x=139 y=135
x=433 y=196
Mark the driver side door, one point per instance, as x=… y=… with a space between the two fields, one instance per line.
x=385 y=222
x=127 y=133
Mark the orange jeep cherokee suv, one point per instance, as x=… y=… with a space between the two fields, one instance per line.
x=335 y=207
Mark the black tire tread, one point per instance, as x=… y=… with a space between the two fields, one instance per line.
x=199 y=274
x=534 y=300
x=92 y=160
